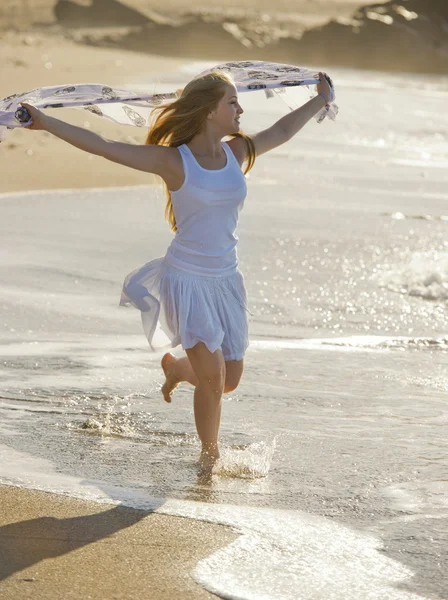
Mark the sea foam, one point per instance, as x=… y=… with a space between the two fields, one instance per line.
x=280 y=554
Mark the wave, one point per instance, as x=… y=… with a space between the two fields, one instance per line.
x=398 y=216
x=361 y=343
x=277 y=552
x=425 y=276
x=388 y=36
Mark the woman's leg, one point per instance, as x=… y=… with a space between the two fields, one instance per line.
x=209 y=369
x=178 y=370
x=234 y=372
x=211 y=376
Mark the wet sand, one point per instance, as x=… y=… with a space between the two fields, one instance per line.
x=56 y=547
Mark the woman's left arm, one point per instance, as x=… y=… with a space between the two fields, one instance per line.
x=287 y=127
x=293 y=122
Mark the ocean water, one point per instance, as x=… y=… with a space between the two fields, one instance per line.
x=334 y=465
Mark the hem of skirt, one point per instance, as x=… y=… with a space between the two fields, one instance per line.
x=237 y=355
x=211 y=348
x=234 y=357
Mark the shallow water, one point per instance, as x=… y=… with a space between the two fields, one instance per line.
x=337 y=433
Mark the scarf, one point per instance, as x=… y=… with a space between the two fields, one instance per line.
x=133 y=108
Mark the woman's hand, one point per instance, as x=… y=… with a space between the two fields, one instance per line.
x=324 y=87
x=37 y=116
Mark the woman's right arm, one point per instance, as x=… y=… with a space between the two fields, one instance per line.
x=143 y=157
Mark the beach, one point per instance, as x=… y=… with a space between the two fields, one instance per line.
x=54 y=546
x=333 y=478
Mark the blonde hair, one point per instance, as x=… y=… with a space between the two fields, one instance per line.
x=180 y=121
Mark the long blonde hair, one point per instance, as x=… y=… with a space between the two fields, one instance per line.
x=178 y=122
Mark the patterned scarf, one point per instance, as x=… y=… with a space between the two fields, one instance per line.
x=133 y=108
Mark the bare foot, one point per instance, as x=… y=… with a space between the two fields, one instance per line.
x=207 y=461
x=171 y=383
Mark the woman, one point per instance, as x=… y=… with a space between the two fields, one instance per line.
x=196 y=292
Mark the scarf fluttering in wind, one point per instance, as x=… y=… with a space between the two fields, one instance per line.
x=133 y=108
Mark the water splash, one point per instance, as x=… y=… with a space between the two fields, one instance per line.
x=251 y=462
x=111 y=424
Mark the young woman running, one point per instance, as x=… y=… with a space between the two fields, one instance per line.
x=196 y=291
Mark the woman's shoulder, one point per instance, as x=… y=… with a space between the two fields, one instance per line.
x=238 y=145
x=174 y=171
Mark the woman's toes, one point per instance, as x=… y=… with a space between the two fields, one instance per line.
x=166 y=393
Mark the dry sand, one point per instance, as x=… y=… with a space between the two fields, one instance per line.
x=29 y=13
x=33 y=160
x=54 y=547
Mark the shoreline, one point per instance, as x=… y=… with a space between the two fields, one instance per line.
x=55 y=546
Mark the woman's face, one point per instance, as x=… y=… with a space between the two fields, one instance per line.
x=228 y=111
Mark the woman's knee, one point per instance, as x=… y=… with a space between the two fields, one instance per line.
x=214 y=379
x=230 y=384
x=209 y=368
x=234 y=372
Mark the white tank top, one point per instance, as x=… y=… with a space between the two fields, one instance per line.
x=206 y=209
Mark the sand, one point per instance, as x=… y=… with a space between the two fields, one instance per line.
x=54 y=547
x=34 y=160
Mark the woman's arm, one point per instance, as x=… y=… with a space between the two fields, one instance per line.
x=76 y=136
x=287 y=127
x=143 y=157
x=293 y=122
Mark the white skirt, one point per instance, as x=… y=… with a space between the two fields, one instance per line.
x=188 y=308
